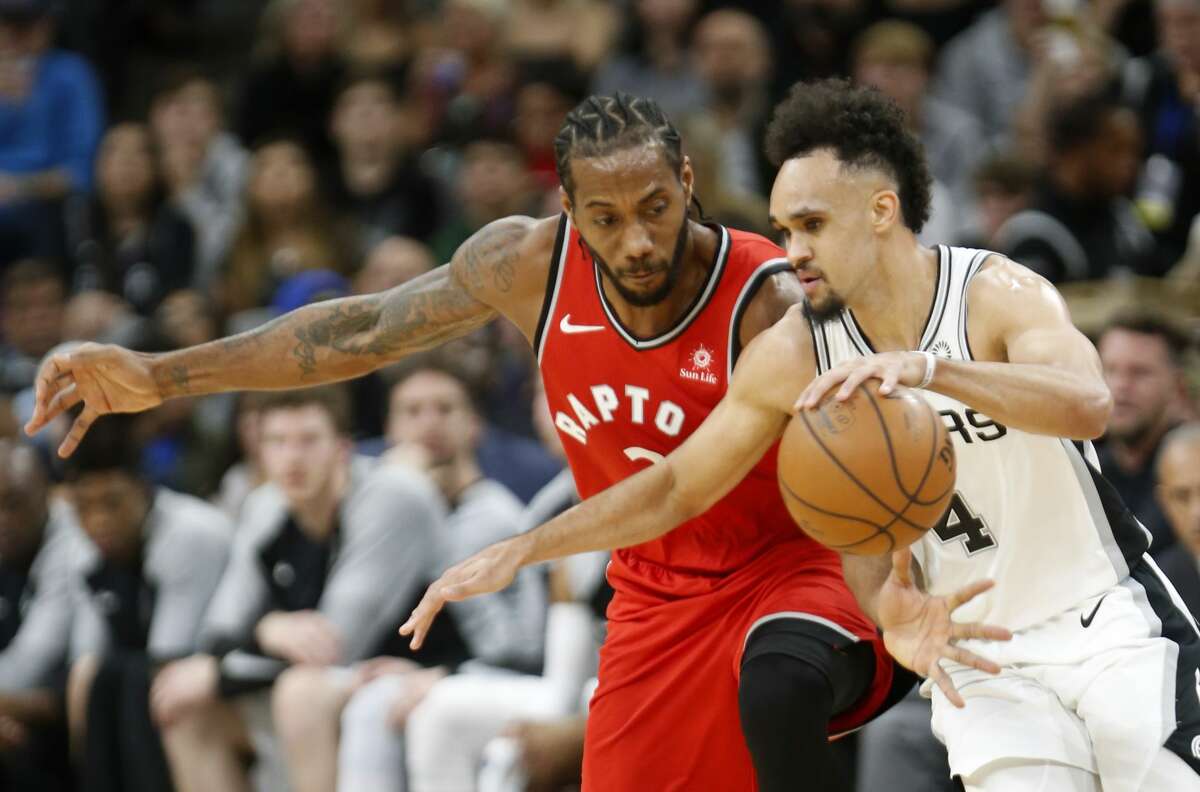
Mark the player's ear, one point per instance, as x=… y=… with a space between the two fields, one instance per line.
x=566 y=203
x=688 y=178
x=885 y=210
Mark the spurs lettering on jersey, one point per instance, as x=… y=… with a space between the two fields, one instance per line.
x=604 y=404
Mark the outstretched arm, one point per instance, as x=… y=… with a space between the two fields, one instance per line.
x=1033 y=370
x=711 y=462
x=495 y=271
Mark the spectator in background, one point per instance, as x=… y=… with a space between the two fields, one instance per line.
x=656 y=62
x=141 y=591
x=985 y=69
x=464 y=82
x=1178 y=494
x=548 y=91
x=1142 y=357
x=733 y=57
x=246 y=474
x=37 y=549
x=896 y=57
x=291 y=88
x=437 y=427
x=1003 y=186
x=392 y=262
x=379 y=38
x=377 y=183
x=1164 y=89
x=128 y=240
x=324 y=558
x=580 y=31
x=51 y=118
x=204 y=165
x=492 y=182
x=287 y=229
x=32 y=319
x=1080 y=225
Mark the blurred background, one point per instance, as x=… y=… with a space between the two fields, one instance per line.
x=175 y=170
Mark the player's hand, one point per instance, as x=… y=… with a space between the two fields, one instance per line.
x=182 y=685
x=918 y=630
x=104 y=377
x=304 y=637
x=890 y=368
x=489 y=570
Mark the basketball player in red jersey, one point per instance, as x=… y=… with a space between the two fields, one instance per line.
x=734 y=645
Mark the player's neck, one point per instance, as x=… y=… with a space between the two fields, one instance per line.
x=894 y=306
x=699 y=255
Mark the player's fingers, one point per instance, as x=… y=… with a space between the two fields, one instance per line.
x=470 y=583
x=854 y=379
x=977 y=631
x=817 y=389
x=968 y=593
x=890 y=378
x=63 y=400
x=970 y=659
x=942 y=680
x=49 y=382
x=902 y=566
x=422 y=617
x=79 y=428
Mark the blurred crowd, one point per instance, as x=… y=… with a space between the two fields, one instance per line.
x=206 y=596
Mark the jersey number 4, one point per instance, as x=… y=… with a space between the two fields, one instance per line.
x=964 y=525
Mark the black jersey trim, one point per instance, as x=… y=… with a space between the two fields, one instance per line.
x=755 y=282
x=977 y=261
x=553 y=284
x=1129 y=538
x=937 y=307
x=702 y=299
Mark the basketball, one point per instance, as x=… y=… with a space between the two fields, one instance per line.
x=868 y=475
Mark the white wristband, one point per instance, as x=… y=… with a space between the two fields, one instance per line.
x=930 y=367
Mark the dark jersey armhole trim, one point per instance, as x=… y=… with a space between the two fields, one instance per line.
x=548 y=299
x=748 y=293
x=973 y=268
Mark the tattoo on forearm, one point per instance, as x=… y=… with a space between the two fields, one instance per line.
x=491 y=256
x=181 y=378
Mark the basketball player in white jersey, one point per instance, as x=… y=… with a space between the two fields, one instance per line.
x=1098 y=689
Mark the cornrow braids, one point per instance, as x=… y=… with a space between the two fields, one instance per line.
x=600 y=125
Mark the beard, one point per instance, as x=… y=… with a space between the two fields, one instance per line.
x=831 y=308
x=674 y=268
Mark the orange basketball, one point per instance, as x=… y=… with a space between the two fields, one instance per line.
x=868 y=475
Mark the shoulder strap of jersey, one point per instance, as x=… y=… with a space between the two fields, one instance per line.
x=558 y=262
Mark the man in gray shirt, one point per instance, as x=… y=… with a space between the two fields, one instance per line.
x=326 y=555
x=36 y=549
x=434 y=427
x=140 y=586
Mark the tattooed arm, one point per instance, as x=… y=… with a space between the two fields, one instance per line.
x=501 y=270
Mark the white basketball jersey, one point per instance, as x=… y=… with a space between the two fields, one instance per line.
x=1030 y=512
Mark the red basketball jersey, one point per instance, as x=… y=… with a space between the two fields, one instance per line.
x=621 y=402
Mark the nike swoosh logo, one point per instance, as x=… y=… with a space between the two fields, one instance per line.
x=570 y=329
x=1087 y=622
x=1198 y=699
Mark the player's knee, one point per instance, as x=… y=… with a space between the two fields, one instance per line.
x=778 y=692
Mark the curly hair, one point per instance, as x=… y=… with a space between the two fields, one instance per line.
x=864 y=129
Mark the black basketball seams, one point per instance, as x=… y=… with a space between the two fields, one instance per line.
x=880 y=530
x=887 y=438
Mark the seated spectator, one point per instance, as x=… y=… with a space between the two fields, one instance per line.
x=985 y=69
x=549 y=90
x=896 y=57
x=152 y=564
x=246 y=474
x=38 y=542
x=33 y=302
x=379 y=37
x=1143 y=358
x=1003 y=186
x=286 y=230
x=493 y=181
x=581 y=31
x=449 y=734
x=1178 y=494
x=324 y=557
x=437 y=426
x=203 y=164
x=1164 y=89
x=1080 y=226
x=655 y=60
x=464 y=81
x=291 y=86
x=377 y=183
x=394 y=261
x=51 y=118
x=129 y=240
